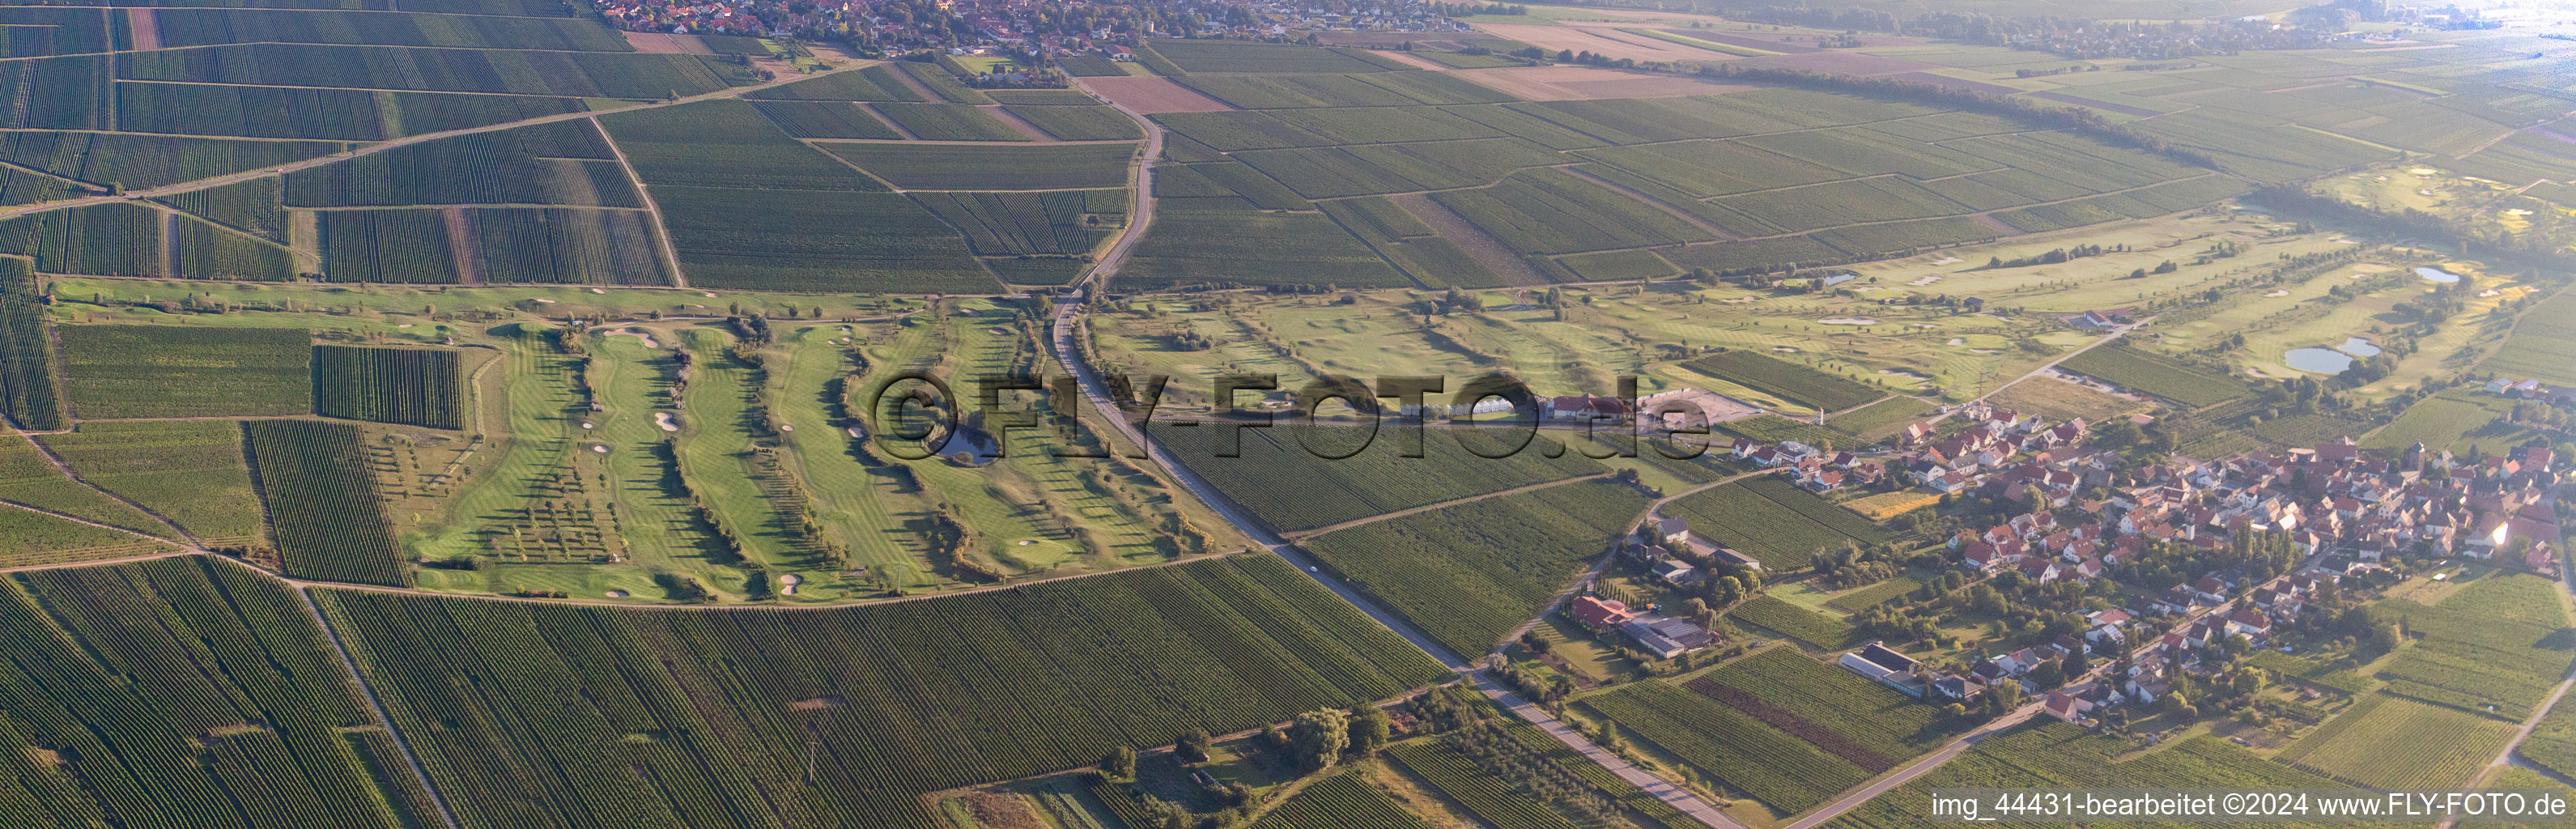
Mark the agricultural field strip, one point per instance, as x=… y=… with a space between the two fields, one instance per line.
x=65 y=470
x=817 y=144
x=1298 y=535
x=1703 y=224
x=1577 y=159
x=1952 y=216
x=371 y=149
x=196 y=46
x=355 y=89
x=186 y=548
x=375 y=706
x=669 y=252
x=2505 y=757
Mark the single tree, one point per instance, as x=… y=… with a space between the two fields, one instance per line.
x=1370 y=729
x=1319 y=738
x=1193 y=747
x=1121 y=762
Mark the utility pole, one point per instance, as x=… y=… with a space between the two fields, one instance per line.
x=812 y=742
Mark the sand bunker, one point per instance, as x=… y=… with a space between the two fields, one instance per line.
x=663 y=419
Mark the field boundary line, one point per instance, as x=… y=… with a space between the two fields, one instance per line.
x=661 y=229
x=369 y=689
x=101 y=562
x=898 y=127
x=66 y=469
x=195 y=46
x=43 y=173
x=244 y=234
x=1301 y=535
x=468 y=205
x=186 y=548
x=1722 y=234
x=359 y=149
x=313 y=86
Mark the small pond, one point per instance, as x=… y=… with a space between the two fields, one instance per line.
x=2433 y=274
x=1850 y=321
x=2318 y=360
x=2357 y=347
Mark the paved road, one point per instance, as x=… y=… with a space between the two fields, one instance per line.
x=1097 y=393
x=1664 y=790
x=1142 y=204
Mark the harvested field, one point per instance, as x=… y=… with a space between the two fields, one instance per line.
x=1408 y=59
x=1151 y=96
x=652 y=43
x=1608 y=41
x=147 y=30
x=1584 y=83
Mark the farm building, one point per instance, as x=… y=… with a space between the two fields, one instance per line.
x=1667 y=637
x=1598 y=613
x=1884 y=664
